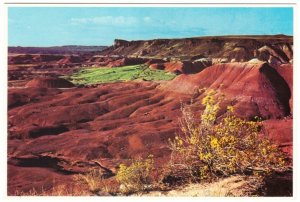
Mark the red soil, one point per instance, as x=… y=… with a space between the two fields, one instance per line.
x=54 y=133
x=110 y=123
x=30 y=59
x=49 y=83
x=286 y=71
x=254 y=89
x=181 y=67
x=126 y=61
x=280 y=131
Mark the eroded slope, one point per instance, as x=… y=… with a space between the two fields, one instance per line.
x=55 y=133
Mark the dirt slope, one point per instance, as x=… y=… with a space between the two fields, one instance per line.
x=109 y=124
x=254 y=89
x=49 y=83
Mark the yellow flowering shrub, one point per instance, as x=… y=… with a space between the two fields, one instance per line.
x=208 y=148
x=136 y=176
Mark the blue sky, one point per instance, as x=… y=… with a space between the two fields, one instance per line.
x=50 y=26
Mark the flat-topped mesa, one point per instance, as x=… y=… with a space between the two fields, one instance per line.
x=120 y=42
x=220 y=49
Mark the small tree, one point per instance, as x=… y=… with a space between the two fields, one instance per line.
x=208 y=149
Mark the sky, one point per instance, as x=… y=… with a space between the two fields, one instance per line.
x=52 y=26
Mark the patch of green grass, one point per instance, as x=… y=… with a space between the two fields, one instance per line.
x=126 y=73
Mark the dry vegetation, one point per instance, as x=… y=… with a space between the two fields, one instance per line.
x=135 y=177
x=210 y=149
x=57 y=190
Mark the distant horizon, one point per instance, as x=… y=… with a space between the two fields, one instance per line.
x=65 y=26
x=150 y=40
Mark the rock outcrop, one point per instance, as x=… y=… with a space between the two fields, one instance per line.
x=219 y=48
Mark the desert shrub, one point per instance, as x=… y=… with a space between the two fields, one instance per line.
x=92 y=179
x=135 y=177
x=209 y=148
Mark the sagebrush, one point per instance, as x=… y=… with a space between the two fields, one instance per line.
x=135 y=177
x=209 y=148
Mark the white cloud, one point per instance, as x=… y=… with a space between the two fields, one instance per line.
x=106 y=20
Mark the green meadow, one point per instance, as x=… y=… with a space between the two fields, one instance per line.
x=125 y=73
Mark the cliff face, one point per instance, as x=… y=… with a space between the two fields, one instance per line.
x=277 y=48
